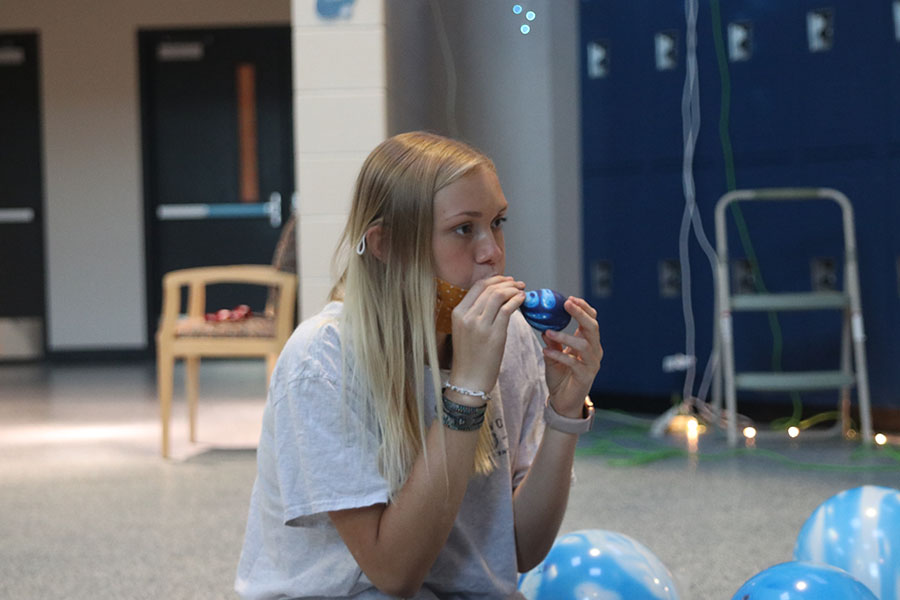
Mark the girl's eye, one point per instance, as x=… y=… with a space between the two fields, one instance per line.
x=464 y=229
x=498 y=222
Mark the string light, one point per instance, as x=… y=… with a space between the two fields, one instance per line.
x=619 y=445
x=749 y=432
x=793 y=431
x=880 y=439
x=692 y=429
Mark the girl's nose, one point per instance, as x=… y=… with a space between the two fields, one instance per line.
x=489 y=250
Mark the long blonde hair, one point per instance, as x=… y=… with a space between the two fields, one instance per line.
x=388 y=319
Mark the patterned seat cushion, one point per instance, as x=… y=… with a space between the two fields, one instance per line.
x=250 y=327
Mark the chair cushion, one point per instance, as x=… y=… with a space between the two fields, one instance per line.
x=249 y=327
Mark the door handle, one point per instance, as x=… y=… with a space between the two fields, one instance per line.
x=16 y=215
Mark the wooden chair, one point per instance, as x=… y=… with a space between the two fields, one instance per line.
x=191 y=337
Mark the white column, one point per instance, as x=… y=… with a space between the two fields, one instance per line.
x=340 y=114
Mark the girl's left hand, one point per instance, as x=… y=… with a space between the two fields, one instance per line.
x=572 y=360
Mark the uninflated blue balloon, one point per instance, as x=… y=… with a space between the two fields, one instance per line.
x=803 y=581
x=857 y=530
x=543 y=309
x=598 y=565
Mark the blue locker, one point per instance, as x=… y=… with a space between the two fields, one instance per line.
x=763 y=89
x=660 y=124
x=797 y=118
x=631 y=115
x=892 y=82
x=611 y=104
x=630 y=220
x=841 y=91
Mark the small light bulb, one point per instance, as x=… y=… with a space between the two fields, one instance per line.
x=749 y=432
x=793 y=431
x=880 y=439
x=692 y=431
x=530 y=15
x=517 y=9
x=525 y=29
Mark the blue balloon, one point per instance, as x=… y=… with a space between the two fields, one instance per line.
x=857 y=530
x=597 y=564
x=803 y=581
x=543 y=309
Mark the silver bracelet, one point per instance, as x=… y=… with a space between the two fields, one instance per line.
x=466 y=392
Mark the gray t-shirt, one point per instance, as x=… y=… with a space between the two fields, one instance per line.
x=308 y=465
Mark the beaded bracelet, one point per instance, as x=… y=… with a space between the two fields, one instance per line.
x=467 y=392
x=459 y=417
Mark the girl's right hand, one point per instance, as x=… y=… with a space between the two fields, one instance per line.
x=480 y=322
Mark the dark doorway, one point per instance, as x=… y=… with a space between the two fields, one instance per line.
x=217 y=152
x=22 y=306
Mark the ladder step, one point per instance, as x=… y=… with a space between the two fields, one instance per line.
x=790 y=301
x=793 y=381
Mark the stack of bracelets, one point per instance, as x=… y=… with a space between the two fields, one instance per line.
x=460 y=417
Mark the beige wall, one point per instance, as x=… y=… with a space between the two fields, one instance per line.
x=94 y=209
x=340 y=114
x=517 y=98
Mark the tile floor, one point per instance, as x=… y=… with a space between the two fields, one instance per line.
x=88 y=509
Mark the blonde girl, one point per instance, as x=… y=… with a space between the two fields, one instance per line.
x=418 y=439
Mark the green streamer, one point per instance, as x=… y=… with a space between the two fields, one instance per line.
x=738 y=215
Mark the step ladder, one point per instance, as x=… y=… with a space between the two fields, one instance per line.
x=851 y=373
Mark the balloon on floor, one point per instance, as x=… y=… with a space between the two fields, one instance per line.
x=857 y=530
x=597 y=564
x=799 y=580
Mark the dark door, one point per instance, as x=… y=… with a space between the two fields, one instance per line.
x=218 y=152
x=21 y=198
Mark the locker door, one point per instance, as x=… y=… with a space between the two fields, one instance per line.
x=760 y=81
x=842 y=72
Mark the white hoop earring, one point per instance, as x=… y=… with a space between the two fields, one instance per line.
x=361 y=246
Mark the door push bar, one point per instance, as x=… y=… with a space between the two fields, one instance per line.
x=231 y=210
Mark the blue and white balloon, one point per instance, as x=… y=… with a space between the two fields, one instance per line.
x=593 y=564
x=543 y=309
x=857 y=530
x=803 y=581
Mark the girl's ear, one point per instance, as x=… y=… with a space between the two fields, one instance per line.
x=376 y=241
